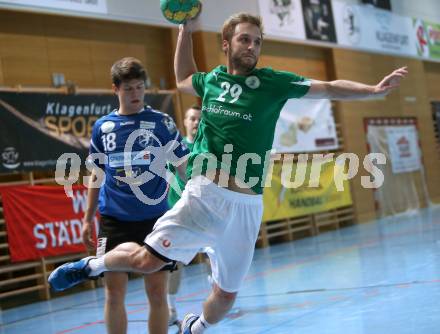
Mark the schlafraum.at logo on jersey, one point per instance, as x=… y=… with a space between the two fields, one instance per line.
x=154 y=154
x=219 y=110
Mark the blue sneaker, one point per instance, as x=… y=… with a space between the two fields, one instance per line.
x=185 y=327
x=70 y=274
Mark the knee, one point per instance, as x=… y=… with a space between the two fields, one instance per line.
x=114 y=296
x=157 y=295
x=143 y=261
x=227 y=298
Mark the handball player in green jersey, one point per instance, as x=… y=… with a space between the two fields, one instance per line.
x=221 y=208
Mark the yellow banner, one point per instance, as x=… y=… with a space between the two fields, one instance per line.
x=293 y=198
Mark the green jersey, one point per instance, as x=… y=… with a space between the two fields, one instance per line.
x=173 y=196
x=239 y=114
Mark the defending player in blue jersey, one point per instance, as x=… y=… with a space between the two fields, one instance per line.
x=133 y=195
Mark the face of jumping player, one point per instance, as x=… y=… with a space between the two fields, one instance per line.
x=191 y=121
x=244 y=49
x=131 y=95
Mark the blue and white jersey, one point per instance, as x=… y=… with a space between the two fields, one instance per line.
x=146 y=140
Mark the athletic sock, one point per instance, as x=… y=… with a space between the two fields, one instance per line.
x=171 y=301
x=200 y=325
x=97 y=266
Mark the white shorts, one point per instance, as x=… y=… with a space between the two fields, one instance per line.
x=215 y=220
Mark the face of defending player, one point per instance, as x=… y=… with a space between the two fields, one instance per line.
x=191 y=122
x=244 y=49
x=131 y=96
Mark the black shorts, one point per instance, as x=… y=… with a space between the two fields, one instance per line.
x=113 y=232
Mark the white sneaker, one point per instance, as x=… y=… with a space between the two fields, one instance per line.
x=172 y=318
x=185 y=327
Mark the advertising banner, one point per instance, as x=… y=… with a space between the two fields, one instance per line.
x=283 y=18
x=318 y=20
x=36 y=128
x=281 y=202
x=42 y=221
x=369 y=28
x=91 y=6
x=305 y=126
x=427 y=38
x=404 y=148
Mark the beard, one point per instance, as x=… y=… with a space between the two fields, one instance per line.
x=243 y=64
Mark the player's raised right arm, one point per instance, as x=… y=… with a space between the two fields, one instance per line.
x=184 y=64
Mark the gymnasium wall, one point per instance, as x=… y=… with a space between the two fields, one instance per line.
x=33 y=46
x=432 y=73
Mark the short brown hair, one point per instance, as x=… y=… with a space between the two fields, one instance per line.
x=195 y=107
x=127 y=68
x=234 y=20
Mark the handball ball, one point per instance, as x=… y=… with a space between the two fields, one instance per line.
x=178 y=11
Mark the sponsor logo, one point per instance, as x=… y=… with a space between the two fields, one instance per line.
x=132 y=174
x=252 y=82
x=388 y=39
x=100 y=249
x=127 y=123
x=319 y=142
x=130 y=158
x=57 y=234
x=107 y=127
x=10 y=158
x=71 y=110
x=147 y=125
x=166 y=243
x=301 y=83
x=146 y=138
x=218 y=110
x=352 y=27
x=404 y=147
x=421 y=38
x=169 y=123
x=434 y=35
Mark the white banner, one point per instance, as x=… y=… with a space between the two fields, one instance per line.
x=403 y=147
x=305 y=125
x=360 y=27
x=366 y=27
x=283 y=18
x=91 y=6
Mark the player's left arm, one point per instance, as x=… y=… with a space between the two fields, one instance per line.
x=351 y=90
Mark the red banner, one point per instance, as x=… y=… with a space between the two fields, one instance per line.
x=42 y=221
